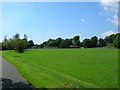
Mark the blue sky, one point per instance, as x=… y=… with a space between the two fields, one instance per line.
x=44 y=20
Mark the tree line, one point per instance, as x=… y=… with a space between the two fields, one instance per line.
x=109 y=41
x=61 y=43
x=19 y=45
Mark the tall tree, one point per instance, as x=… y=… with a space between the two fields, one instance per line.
x=4 y=43
x=117 y=41
x=76 y=40
x=25 y=37
x=94 y=41
x=65 y=43
x=58 y=42
x=101 y=42
x=30 y=43
x=0 y=46
x=20 y=46
x=86 y=43
x=51 y=42
x=110 y=39
x=5 y=39
x=16 y=36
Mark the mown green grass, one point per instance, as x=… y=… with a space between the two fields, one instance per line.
x=67 y=68
x=0 y=53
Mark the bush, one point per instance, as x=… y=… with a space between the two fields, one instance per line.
x=20 y=46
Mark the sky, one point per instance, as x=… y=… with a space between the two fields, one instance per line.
x=44 y=20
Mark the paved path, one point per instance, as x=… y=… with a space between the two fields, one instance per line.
x=11 y=78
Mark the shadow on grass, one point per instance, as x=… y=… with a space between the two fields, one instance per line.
x=8 y=83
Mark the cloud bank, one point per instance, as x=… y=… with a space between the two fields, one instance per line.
x=108 y=33
x=111 y=6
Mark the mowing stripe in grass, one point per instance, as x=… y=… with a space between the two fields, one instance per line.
x=84 y=83
x=67 y=68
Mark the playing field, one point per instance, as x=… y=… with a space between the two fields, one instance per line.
x=67 y=68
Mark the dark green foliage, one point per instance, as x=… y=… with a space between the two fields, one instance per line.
x=86 y=43
x=58 y=42
x=71 y=41
x=45 y=43
x=117 y=41
x=81 y=44
x=16 y=36
x=0 y=46
x=61 y=43
x=4 y=43
x=8 y=44
x=41 y=45
x=65 y=43
x=51 y=42
x=30 y=43
x=16 y=43
x=94 y=41
x=101 y=42
x=110 y=39
x=20 y=46
x=25 y=37
x=76 y=40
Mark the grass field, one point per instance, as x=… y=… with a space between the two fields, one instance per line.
x=67 y=68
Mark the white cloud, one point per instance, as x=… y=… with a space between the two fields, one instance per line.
x=114 y=20
x=111 y=6
x=108 y=33
x=82 y=20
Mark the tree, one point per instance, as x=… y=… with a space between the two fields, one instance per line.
x=0 y=46
x=30 y=43
x=5 y=43
x=65 y=43
x=45 y=43
x=76 y=40
x=16 y=36
x=94 y=41
x=112 y=38
x=25 y=37
x=20 y=46
x=101 y=42
x=71 y=41
x=5 y=39
x=51 y=42
x=81 y=44
x=109 y=39
x=14 y=43
x=10 y=44
x=41 y=45
x=117 y=41
x=86 y=43
x=58 y=42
